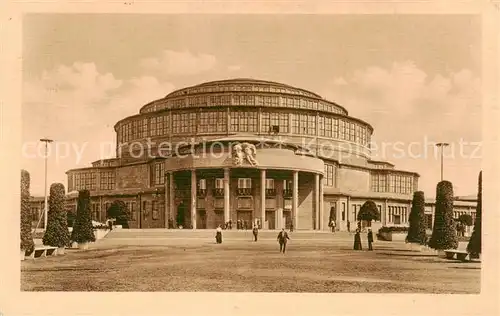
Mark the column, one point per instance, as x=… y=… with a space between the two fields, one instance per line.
x=171 y=197
x=167 y=193
x=295 y=199
x=193 y=198
x=316 y=201
x=321 y=203
x=263 y=198
x=226 y=195
x=383 y=216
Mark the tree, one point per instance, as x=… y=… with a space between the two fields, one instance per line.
x=474 y=245
x=118 y=210
x=57 y=234
x=444 y=235
x=465 y=219
x=369 y=212
x=416 y=231
x=82 y=229
x=27 y=243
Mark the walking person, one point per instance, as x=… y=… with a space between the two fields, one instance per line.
x=255 y=232
x=218 y=235
x=370 y=239
x=348 y=226
x=283 y=239
x=357 y=240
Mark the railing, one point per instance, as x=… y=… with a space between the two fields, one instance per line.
x=244 y=191
x=287 y=193
x=201 y=192
x=270 y=192
x=218 y=192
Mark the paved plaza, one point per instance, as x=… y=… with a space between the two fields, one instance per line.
x=172 y=260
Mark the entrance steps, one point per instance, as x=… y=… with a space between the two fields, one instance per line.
x=210 y=233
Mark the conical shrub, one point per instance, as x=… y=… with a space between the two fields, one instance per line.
x=416 y=231
x=27 y=243
x=82 y=229
x=444 y=235
x=57 y=234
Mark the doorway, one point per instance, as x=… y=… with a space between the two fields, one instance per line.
x=271 y=219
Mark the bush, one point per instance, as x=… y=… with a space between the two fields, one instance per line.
x=56 y=234
x=118 y=210
x=474 y=245
x=82 y=230
x=444 y=235
x=416 y=231
x=393 y=229
x=27 y=243
x=368 y=212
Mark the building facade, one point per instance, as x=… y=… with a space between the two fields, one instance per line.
x=247 y=151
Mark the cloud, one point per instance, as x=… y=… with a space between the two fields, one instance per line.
x=78 y=106
x=407 y=105
x=179 y=63
x=234 y=68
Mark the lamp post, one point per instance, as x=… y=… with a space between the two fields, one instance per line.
x=46 y=208
x=442 y=145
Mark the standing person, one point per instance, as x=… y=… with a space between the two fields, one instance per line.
x=218 y=235
x=348 y=226
x=283 y=239
x=333 y=226
x=357 y=240
x=370 y=239
x=255 y=232
x=110 y=224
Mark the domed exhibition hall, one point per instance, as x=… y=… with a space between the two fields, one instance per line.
x=246 y=151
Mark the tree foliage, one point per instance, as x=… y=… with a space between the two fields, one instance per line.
x=416 y=231
x=118 y=210
x=82 y=229
x=444 y=235
x=27 y=243
x=465 y=219
x=57 y=234
x=474 y=245
x=369 y=212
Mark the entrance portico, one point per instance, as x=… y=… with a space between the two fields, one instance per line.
x=277 y=192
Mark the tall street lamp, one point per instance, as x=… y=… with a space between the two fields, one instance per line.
x=46 y=207
x=442 y=145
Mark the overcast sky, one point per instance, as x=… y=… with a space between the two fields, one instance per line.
x=415 y=79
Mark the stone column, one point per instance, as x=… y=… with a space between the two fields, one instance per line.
x=316 y=201
x=383 y=216
x=295 y=199
x=193 y=198
x=171 y=199
x=226 y=195
x=263 y=198
x=321 y=202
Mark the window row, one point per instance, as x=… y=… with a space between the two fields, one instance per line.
x=243 y=183
x=247 y=88
x=398 y=214
x=329 y=175
x=243 y=100
x=216 y=121
x=88 y=180
x=393 y=183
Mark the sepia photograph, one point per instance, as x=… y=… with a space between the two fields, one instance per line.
x=285 y=153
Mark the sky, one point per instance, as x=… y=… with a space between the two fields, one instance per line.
x=415 y=78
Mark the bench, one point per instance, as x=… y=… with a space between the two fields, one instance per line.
x=43 y=251
x=460 y=254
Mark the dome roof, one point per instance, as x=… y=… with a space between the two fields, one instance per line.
x=243 y=84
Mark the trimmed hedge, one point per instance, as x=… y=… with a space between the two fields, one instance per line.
x=82 y=230
x=393 y=229
x=474 y=245
x=27 y=243
x=416 y=231
x=57 y=234
x=444 y=235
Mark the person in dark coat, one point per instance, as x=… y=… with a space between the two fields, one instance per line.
x=348 y=226
x=255 y=232
x=370 y=239
x=357 y=240
x=218 y=235
x=283 y=239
